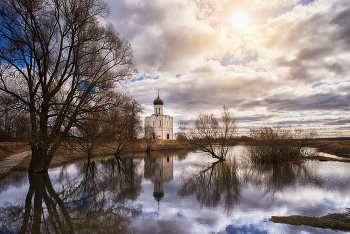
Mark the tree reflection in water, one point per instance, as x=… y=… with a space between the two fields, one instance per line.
x=215 y=184
x=274 y=177
x=221 y=182
x=94 y=201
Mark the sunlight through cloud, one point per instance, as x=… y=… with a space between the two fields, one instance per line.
x=240 y=20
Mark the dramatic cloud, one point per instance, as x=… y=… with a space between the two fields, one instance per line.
x=289 y=65
x=167 y=36
x=271 y=4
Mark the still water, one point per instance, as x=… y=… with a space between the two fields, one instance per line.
x=173 y=192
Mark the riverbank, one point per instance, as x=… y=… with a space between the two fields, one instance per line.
x=68 y=154
x=334 y=221
x=338 y=147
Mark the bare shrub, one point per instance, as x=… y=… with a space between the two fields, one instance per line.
x=276 y=144
x=149 y=137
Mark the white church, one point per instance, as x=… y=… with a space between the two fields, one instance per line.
x=161 y=125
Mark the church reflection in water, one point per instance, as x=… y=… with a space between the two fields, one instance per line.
x=158 y=170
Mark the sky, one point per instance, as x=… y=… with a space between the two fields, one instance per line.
x=271 y=62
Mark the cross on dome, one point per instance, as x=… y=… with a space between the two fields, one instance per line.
x=158 y=100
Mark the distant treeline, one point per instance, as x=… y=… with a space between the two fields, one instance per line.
x=331 y=138
x=14 y=122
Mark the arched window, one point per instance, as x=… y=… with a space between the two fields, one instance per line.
x=160 y=123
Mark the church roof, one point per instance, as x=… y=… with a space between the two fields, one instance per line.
x=158 y=196
x=158 y=101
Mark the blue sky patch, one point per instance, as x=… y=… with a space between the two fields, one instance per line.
x=245 y=229
x=329 y=202
x=318 y=84
x=324 y=114
x=143 y=77
x=306 y=2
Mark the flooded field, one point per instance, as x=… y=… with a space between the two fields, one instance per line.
x=173 y=192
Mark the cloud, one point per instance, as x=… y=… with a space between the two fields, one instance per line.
x=321 y=102
x=168 y=37
x=295 y=62
x=340 y=122
x=270 y=4
x=307 y=43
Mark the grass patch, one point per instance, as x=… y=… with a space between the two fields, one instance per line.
x=335 y=221
x=337 y=147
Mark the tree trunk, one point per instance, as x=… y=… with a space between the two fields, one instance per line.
x=41 y=159
x=38 y=206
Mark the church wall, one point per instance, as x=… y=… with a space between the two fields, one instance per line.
x=163 y=125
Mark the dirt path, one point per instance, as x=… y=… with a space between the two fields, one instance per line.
x=8 y=163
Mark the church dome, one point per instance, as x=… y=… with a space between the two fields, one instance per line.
x=158 y=101
x=158 y=196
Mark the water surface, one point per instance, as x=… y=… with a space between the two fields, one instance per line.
x=173 y=192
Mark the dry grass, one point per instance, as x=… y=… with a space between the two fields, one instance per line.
x=340 y=222
x=337 y=147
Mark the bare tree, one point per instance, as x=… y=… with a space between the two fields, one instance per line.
x=123 y=123
x=116 y=126
x=59 y=61
x=14 y=123
x=22 y=127
x=149 y=137
x=6 y=118
x=89 y=133
x=212 y=135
